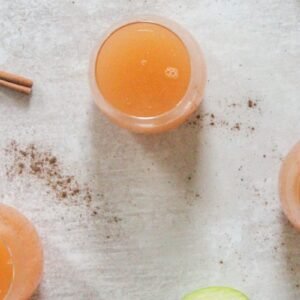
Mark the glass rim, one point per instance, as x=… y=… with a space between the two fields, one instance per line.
x=188 y=102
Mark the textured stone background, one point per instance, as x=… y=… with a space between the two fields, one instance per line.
x=194 y=207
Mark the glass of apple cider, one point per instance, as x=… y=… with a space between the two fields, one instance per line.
x=289 y=186
x=6 y=270
x=148 y=74
x=21 y=255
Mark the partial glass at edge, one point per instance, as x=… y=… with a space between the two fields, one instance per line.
x=6 y=271
x=289 y=186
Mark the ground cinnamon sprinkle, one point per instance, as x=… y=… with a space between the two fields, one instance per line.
x=202 y=120
x=251 y=103
x=237 y=126
x=45 y=166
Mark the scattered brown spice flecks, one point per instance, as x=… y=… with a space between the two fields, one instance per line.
x=251 y=103
x=202 y=120
x=23 y=153
x=221 y=262
x=21 y=168
x=43 y=165
x=237 y=126
x=52 y=160
x=116 y=219
x=224 y=123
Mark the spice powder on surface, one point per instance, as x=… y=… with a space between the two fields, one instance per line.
x=43 y=165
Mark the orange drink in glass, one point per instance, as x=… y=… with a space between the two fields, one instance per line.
x=21 y=255
x=289 y=186
x=148 y=74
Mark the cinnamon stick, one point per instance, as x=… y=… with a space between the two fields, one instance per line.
x=17 y=79
x=16 y=87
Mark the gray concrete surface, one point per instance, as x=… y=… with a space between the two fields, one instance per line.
x=187 y=209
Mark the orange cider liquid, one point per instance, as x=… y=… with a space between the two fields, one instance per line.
x=6 y=270
x=143 y=69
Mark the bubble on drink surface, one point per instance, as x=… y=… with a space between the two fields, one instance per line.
x=171 y=72
x=128 y=101
x=144 y=62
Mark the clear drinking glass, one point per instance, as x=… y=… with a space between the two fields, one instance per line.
x=289 y=186
x=187 y=105
x=21 y=247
